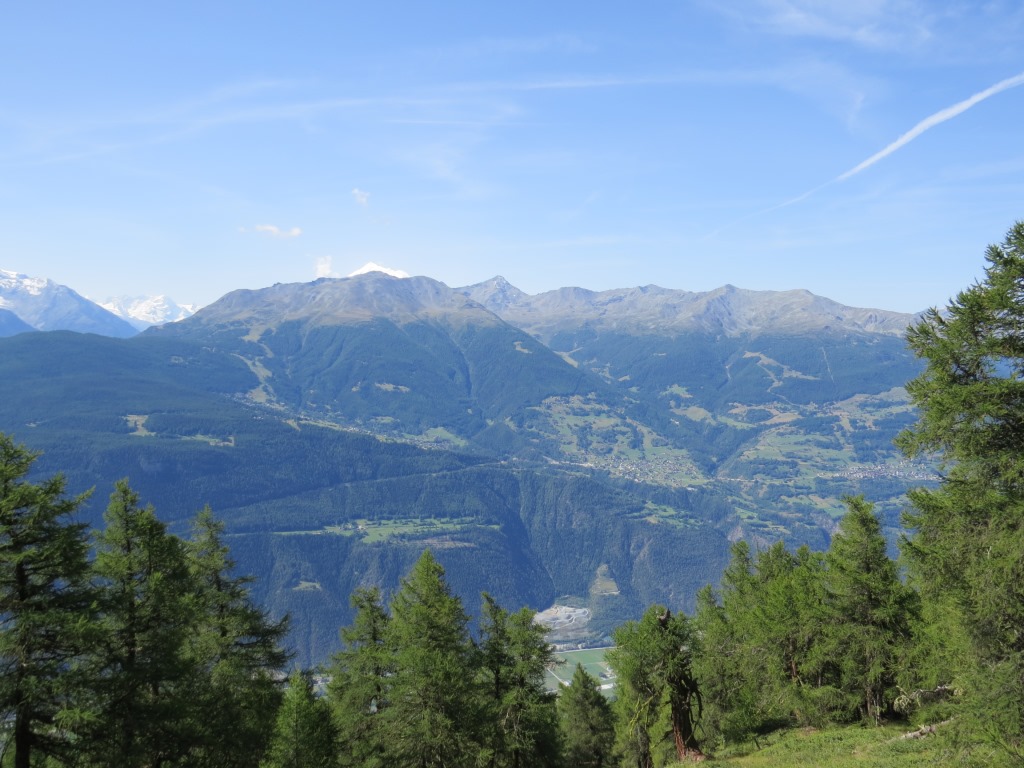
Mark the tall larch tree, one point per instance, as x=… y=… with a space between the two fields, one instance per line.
x=304 y=735
x=756 y=638
x=656 y=686
x=432 y=717
x=145 y=677
x=587 y=723
x=521 y=727
x=236 y=649
x=870 y=608
x=361 y=674
x=45 y=609
x=968 y=542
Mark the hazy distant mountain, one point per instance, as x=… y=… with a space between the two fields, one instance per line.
x=11 y=324
x=497 y=294
x=145 y=311
x=649 y=309
x=47 y=306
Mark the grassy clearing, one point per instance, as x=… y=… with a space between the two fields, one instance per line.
x=846 y=747
x=660 y=514
x=373 y=531
x=603 y=583
x=442 y=435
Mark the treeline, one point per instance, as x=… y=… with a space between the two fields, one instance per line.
x=414 y=686
x=135 y=647
x=151 y=654
x=807 y=638
x=130 y=648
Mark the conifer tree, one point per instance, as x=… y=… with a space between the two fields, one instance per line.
x=967 y=549
x=45 y=609
x=144 y=677
x=786 y=621
x=431 y=718
x=360 y=678
x=728 y=713
x=236 y=649
x=871 y=611
x=304 y=735
x=653 y=662
x=521 y=728
x=757 y=644
x=737 y=640
x=587 y=723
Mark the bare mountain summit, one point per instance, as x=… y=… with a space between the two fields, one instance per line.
x=333 y=301
x=729 y=311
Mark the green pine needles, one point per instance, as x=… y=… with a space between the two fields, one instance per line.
x=149 y=654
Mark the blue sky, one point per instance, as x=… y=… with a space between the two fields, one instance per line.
x=865 y=150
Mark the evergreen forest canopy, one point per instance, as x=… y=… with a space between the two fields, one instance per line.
x=134 y=647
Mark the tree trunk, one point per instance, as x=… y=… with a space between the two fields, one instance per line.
x=682 y=730
x=22 y=734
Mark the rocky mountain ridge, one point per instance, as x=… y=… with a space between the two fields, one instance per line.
x=727 y=310
x=326 y=301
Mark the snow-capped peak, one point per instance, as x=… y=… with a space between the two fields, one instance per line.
x=15 y=281
x=48 y=306
x=144 y=311
x=371 y=267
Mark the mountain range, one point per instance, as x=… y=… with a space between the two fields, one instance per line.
x=596 y=449
x=43 y=305
x=141 y=312
x=39 y=304
x=653 y=310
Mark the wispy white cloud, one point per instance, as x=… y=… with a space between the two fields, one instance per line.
x=360 y=196
x=574 y=82
x=324 y=267
x=449 y=161
x=274 y=231
x=839 y=89
x=54 y=139
x=870 y=23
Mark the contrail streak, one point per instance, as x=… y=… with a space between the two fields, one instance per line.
x=929 y=122
x=932 y=120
